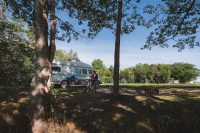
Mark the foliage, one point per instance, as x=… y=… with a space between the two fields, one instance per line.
x=100 y=68
x=160 y=73
x=141 y=71
x=109 y=75
x=127 y=75
x=164 y=73
x=152 y=73
x=184 y=72
x=16 y=53
x=66 y=56
x=174 y=20
x=145 y=73
x=88 y=16
x=105 y=74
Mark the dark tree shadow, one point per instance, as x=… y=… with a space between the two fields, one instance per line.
x=102 y=112
x=14 y=111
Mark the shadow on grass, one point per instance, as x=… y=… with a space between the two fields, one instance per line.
x=14 y=114
x=75 y=111
x=101 y=112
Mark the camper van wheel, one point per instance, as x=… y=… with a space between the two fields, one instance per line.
x=64 y=84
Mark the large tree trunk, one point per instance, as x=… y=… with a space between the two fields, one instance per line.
x=117 y=50
x=52 y=46
x=40 y=82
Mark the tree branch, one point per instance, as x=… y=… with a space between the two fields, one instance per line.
x=184 y=17
x=68 y=27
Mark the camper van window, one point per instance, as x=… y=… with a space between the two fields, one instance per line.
x=84 y=71
x=90 y=71
x=55 y=70
x=78 y=71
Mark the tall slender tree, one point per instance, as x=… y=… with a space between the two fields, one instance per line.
x=128 y=17
x=117 y=49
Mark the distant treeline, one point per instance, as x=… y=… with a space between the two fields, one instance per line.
x=149 y=73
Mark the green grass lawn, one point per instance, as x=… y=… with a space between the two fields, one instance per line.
x=135 y=85
x=175 y=110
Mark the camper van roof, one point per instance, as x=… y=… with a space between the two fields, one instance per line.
x=72 y=63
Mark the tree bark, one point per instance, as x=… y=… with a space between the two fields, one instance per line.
x=52 y=46
x=39 y=85
x=117 y=50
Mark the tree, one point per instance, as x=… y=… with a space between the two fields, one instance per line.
x=165 y=73
x=40 y=83
x=110 y=74
x=160 y=73
x=141 y=71
x=100 y=68
x=119 y=16
x=36 y=14
x=184 y=72
x=175 y=20
x=66 y=56
x=105 y=74
x=16 y=51
x=61 y=55
x=152 y=73
x=73 y=55
x=117 y=49
x=128 y=75
x=123 y=17
x=95 y=14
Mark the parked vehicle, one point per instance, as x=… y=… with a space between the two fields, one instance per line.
x=70 y=73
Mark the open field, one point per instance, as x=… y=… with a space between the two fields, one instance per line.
x=137 y=85
x=174 y=110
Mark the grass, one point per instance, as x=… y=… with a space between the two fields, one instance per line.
x=175 y=110
x=137 y=85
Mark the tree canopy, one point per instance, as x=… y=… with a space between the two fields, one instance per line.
x=177 y=24
x=184 y=72
x=160 y=73
x=66 y=56
x=149 y=73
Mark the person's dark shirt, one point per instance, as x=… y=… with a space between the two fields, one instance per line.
x=94 y=77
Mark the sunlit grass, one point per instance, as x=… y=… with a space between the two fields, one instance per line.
x=106 y=85
x=171 y=98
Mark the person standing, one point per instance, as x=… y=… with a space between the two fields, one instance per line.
x=94 y=80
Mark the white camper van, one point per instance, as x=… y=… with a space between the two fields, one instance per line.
x=70 y=73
